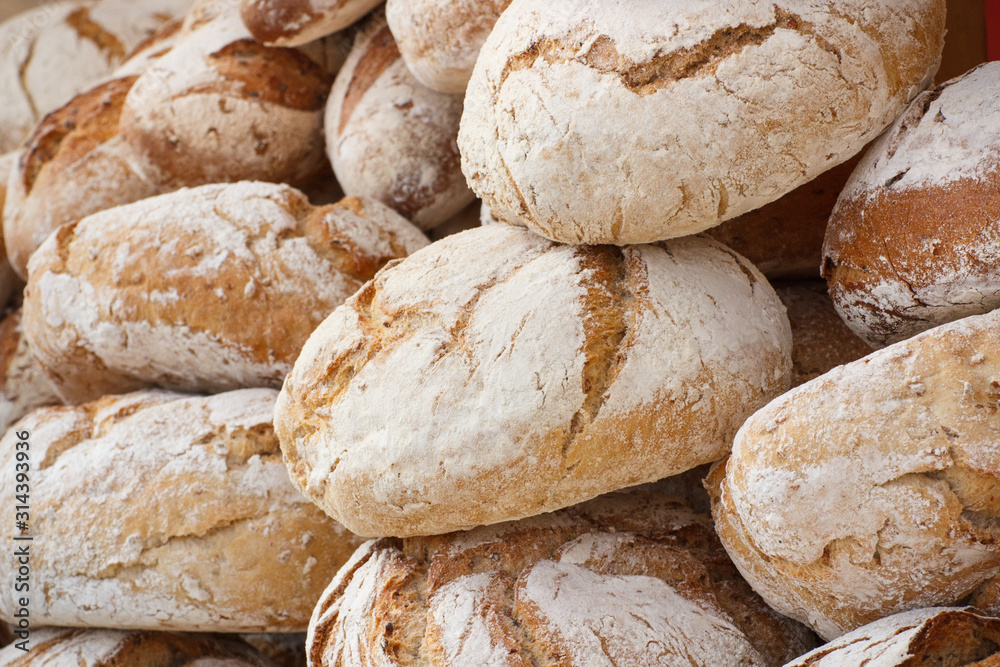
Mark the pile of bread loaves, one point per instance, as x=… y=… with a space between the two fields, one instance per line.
x=466 y=413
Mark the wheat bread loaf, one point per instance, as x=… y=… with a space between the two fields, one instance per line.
x=204 y=289
x=914 y=240
x=495 y=375
x=24 y=385
x=189 y=519
x=630 y=122
x=631 y=579
x=872 y=489
x=298 y=22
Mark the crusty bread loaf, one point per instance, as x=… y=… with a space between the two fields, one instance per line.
x=912 y=243
x=392 y=139
x=632 y=121
x=631 y=579
x=66 y=647
x=53 y=52
x=938 y=637
x=440 y=39
x=495 y=375
x=872 y=489
x=820 y=339
x=190 y=520
x=10 y=282
x=298 y=22
x=285 y=649
x=203 y=289
x=23 y=382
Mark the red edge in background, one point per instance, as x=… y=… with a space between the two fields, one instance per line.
x=992 y=8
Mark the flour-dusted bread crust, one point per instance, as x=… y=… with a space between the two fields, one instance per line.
x=391 y=138
x=298 y=22
x=938 y=636
x=24 y=385
x=495 y=375
x=440 y=39
x=183 y=517
x=63 y=647
x=544 y=591
x=914 y=242
x=872 y=489
x=629 y=122
x=53 y=52
x=204 y=289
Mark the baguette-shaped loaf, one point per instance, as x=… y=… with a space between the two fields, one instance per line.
x=298 y=22
x=391 y=138
x=495 y=375
x=874 y=488
x=630 y=121
x=204 y=289
x=914 y=242
x=162 y=511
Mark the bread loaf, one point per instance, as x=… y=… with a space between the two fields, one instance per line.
x=392 y=139
x=872 y=489
x=298 y=22
x=496 y=375
x=190 y=520
x=10 y=283
x=630 y=579
x=286 y=650
x=203 y=289
x=440 y=39
x=629 y=122
x=53 y=52
x=912 y=243
x=23 y=382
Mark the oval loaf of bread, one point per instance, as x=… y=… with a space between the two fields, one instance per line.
x=874 y=488
x=298 y=22
x=495 y=375
x=630 y=121
x=914 y=241
x=206 y=289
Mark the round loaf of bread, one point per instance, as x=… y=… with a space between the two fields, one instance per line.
x=24 y=385
x=936 y=636
x=872 y=489
x=183 y=517
x=629 y=122
x=496 y=375
x=913 y=242
x=55 y=51
x=441 y=39
x=207 y=289
x=298 y=22
x=392 y=139
x=62 y=647
x=630 y=579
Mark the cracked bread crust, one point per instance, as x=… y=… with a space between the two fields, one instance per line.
x=912 y=243
x=160 y=292
x=298 y=22
x=730 y=105
x=232 y=545
x=873 y=488
x=539 y=591
x=496 y=375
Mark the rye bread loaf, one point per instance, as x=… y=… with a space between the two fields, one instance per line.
x=629 y=122
x=934 y=637
x=191 y=522
x=204 y=289
x=76 y=647
x=391 y=138
x=872 y=489
x=440 y=39
x=24 y=385
x=913 y=242
x=298 y=22
x=53 y=52
x=631 y=579
x=495 y=375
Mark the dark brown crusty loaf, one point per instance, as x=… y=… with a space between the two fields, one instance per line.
x=204 y=289
x=913 y=242
x=631 y=579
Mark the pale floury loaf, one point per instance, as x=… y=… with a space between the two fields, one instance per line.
x=204 y=289
x=631 y=121
x=298 y=22
x=495 y=375
x=163 y=511
x=873 y=489
x=914 y=242
x=632 y=579
x=391 y=138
